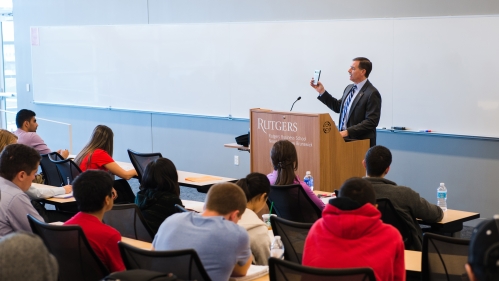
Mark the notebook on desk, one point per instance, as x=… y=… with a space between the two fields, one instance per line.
x=254 y=272
x=64 y=196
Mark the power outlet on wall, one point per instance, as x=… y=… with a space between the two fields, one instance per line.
x=236 y=160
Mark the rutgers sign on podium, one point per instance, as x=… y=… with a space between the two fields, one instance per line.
x=318 y=143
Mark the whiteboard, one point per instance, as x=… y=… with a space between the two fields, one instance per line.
x=432 y=73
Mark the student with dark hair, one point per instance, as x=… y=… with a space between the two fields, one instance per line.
x=222 y=245
x=483 y=256
x=26 y=132
x=94 y=195
x=18 y=166
x=159 y=192
x=351 y=234
x=406 y=201
x=285 y=162
x=7 y=138
x=256 y=186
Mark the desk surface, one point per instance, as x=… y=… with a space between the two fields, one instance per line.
x=450 y=216
x=238 y=146
x=182 y=175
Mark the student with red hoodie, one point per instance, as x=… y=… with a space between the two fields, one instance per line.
x=351 y=234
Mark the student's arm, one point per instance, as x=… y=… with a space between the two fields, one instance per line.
x=241 y=270
x=47 y=192
x=118 y=171
x=243 y=253
x=425 y=210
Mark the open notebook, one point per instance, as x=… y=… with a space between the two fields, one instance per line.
x=67 y=195
x=254 y=272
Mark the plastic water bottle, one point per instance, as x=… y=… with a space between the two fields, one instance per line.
x=309 y=180
x=277 y=248
x=442 y=197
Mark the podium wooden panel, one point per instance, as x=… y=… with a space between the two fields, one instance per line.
x=320 y=147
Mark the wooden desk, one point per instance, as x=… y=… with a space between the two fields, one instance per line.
x=238 y=146
x=452 y=222
x=137 y=243
x=182 y=175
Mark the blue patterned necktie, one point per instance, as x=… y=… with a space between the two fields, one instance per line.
x=345 y=108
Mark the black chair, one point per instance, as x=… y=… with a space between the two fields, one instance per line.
x=76 y=258
x=282 y=270
x=129 y=221
x=292 y=203
x=140 y=160
x=390 y=215
x=68 y=170
x=293 y=235
x=443 y=258
x=49 y=169
x=185 y=264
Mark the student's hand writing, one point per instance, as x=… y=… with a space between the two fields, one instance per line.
x=68 y=188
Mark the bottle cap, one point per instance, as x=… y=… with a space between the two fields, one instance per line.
x=441 y=183
x=307 y=172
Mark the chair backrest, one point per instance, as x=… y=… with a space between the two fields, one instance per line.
x=49 y=169
x=282 y=270
x=293 y=235
x=68 y=170
x=140 y=161
x=185 y=264
x=443 y=258
x=76 y=258
x=390 y=215
x=292 y=203
x=129 y=221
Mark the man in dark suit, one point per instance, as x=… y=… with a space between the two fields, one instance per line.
x=360 y=105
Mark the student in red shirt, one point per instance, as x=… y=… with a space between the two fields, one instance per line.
x=98 y=155
x=94 y=195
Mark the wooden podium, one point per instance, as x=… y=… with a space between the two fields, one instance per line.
x=320 y=147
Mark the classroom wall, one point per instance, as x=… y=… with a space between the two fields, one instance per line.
x=469 y=167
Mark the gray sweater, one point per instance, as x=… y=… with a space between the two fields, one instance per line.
x=409 y=205
x=23 y=256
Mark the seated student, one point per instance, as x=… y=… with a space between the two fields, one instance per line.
x=483 y=255
x=7 y=138
x=18 y=166
x=285 y=162
x=159 y=192
x=23 y=256
x=256 y=186
x=98 y=155
x=26 y=132
x=93 y=192
x=222 y=245
x=405 y=200
x=351 y=234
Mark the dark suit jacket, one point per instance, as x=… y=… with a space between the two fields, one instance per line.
x=364 y=113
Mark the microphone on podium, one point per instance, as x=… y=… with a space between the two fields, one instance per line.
x=299 y=98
